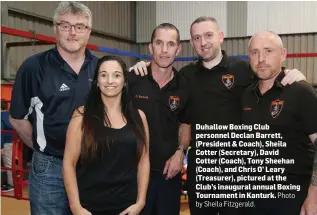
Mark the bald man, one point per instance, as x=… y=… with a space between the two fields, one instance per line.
x=216 y=83
x=291 y=111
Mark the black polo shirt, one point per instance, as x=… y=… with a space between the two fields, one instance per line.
x=215 y=94
x=164 y=108
x=291 y=111
x=49 y=90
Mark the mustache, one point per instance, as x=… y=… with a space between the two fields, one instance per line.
x=262 y=65
x=206 y=47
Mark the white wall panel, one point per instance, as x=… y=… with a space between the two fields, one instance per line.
x=145 y=20
x=282 y=17
x=237 y=15
x=182 y=14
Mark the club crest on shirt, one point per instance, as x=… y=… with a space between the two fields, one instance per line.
x=174 y=102
x=276 y=107
x=228 y=80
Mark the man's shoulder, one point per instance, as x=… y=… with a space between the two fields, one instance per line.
x=301 y=87
x=93 y=62
x=250 y=89
x=35 y=59
x=189 y=69
x=241 y=70
x=182 y=81
x=239 y=64
x=248 y=95
x=239 y=61
x=33 y=63
x=133 y=78
x=181 y=77
x=94 y=58
x=131 y=75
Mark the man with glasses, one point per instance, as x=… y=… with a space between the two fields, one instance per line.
x=49 y=86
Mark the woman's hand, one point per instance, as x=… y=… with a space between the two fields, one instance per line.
x=133 y=209
x=81 y=211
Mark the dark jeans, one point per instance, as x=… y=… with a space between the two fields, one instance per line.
x=163 y=196
x=46 y=188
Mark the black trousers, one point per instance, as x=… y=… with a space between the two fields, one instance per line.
x=163 y=196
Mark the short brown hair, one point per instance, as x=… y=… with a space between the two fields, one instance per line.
x=165 y=26
x=203 y=19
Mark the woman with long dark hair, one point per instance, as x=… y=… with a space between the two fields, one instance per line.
x=106 y=160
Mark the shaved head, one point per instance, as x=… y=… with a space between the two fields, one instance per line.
x=266 y=54
x=269 y=35
x=204 y=19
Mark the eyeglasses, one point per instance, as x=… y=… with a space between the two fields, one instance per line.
x=79 y=28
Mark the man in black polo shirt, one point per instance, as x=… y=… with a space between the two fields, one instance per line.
x=49 y=86
x=290 y=111
x=216 y=84
x=162 y=96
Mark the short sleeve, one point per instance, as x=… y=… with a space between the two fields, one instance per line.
x=24 y=89
x=307 y=108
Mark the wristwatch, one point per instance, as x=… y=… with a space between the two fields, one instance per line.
x=182 y=149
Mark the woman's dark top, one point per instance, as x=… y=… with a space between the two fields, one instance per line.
x=110 y=183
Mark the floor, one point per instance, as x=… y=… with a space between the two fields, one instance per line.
x=10 y=206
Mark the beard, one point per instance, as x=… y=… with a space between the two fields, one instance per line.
x=267 y=75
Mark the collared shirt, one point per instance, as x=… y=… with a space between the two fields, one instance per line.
x=164 y=109
x=215 y=94
x=290 y=111
x=48 y=89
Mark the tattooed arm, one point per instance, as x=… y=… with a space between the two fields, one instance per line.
x=310 y=205
x=314 y=175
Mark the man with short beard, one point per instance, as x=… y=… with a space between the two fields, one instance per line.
x=290 y=111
